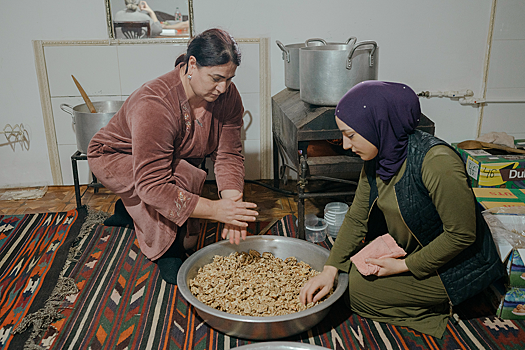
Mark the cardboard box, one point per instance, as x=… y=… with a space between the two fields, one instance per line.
x=510 y=298
x=517 y=269
x=490 y=168
x=512 y=306
x=499 y=197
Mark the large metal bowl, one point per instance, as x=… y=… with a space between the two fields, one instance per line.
x=276 y=345
x=260 y=328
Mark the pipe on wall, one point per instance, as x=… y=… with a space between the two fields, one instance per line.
x=451 y=94
x=486 y=66
x=480 y=101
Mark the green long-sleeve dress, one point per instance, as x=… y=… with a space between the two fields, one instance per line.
x=416 y=299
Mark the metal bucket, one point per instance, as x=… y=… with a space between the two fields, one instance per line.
x=291 y=58
x=328 y=72
x=87 y=124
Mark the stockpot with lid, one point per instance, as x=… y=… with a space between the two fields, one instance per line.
x=290 y=54
x=329 y=71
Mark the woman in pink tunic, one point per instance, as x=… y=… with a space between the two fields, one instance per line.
x=150 y=150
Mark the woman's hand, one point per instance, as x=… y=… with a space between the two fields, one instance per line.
x=236 y=231
x=230 y=210
x=388 y=266
x=233 y=211
x=320 y=284
x=143 y=5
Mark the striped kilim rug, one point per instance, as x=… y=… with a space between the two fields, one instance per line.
x=33 y=251
x=122 y=303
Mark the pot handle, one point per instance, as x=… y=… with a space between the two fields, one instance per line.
x=63 y=107
x=370 y=57
x=286 y=52
x=350 y=39
x=307 y=42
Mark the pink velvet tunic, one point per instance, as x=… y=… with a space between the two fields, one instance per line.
x=148 y=152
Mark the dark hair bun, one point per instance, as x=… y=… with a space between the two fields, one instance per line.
x=213 y=47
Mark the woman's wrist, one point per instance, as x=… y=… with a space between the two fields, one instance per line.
x=205 y=209
x=404 y=267
x=330 y=270
x=229 y=193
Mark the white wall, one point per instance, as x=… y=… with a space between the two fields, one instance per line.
x=506 y=78
x=22 y=22
x=429 y=45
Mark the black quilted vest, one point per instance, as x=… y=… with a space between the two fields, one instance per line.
x=469 y=272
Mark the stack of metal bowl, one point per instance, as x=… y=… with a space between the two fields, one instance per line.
x=261 y=328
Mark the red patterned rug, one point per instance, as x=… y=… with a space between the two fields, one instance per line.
x=33 y=251
x=122 y=303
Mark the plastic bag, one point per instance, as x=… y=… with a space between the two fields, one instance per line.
x=514 y=210
x=506 y=227
x=23 y=193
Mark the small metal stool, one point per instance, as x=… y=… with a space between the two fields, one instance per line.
x=96 y=185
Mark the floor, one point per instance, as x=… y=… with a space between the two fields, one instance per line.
x=272 y=203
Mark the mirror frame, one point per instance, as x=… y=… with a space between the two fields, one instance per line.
x=111 y=30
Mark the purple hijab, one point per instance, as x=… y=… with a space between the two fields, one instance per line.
x=385 y=114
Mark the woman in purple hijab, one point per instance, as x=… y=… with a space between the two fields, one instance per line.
x=427 y=245
x=384 y=114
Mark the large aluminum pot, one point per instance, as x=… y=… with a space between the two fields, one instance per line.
x=261 y=328
x=329 y=71
x=290 y=54
x=86 y=123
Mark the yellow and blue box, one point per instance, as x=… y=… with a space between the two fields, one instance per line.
x=490 y=168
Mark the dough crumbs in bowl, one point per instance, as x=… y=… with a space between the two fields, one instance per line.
x=253 y=284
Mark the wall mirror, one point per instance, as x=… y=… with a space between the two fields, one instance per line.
x=175 y=19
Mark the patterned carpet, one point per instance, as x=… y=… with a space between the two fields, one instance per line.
x=33 y=251
x=122 y=303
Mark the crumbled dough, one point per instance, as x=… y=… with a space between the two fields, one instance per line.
x=251 y=284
